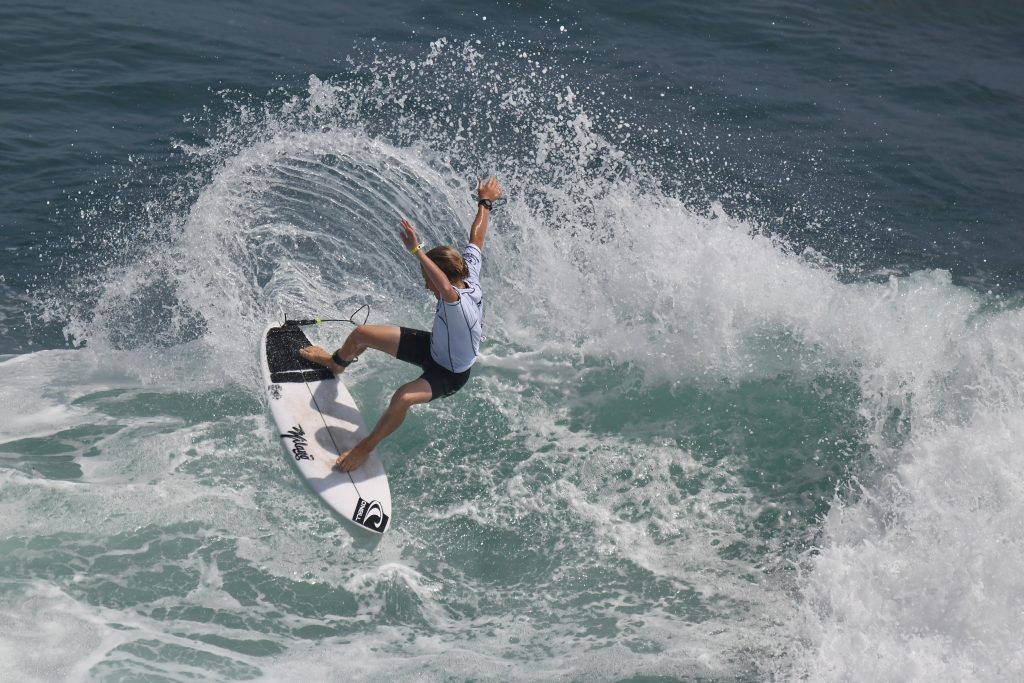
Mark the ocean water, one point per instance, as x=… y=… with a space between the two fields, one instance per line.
x=750 y=401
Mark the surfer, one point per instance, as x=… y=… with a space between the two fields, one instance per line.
x=448 y=351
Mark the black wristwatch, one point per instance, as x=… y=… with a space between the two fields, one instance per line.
x=487 y=203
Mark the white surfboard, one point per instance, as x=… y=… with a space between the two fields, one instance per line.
x=317 y=420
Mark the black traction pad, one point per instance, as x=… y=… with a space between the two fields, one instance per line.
x=283 y=344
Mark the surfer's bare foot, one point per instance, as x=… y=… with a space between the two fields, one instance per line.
x=351 y=460
x=318 y=354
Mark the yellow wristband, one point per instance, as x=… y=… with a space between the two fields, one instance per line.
x=416 y=249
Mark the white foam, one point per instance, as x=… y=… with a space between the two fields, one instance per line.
x=34 y=399
x=45 y=635
x=917 y=579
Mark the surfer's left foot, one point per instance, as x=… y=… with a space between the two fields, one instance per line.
x=319 y=355
x=351 y=460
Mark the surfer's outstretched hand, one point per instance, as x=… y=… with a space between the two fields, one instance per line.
x=408 y=235
x=489 y=190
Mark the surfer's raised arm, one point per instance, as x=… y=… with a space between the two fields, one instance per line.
x=433 y=274
x=487 y=193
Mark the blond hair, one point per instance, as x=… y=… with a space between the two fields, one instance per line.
x=450 y=262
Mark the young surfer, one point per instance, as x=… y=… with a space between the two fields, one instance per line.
x=448 y=351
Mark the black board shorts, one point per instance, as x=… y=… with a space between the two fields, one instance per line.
x=414 y=347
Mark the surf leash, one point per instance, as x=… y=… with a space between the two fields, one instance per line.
x=350 y=319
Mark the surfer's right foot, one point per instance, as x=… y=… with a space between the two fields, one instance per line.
x=319 y=355
x=352 y=459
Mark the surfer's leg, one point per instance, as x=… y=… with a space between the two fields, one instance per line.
x=408 y=395
x=381 y=337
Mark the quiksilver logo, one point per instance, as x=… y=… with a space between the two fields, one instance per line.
x=371 y=515
x=298 y=436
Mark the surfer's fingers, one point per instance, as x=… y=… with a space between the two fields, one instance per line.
x=491 y=184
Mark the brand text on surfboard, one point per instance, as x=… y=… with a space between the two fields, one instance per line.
x=298 y=436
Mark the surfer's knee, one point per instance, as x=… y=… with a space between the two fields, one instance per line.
x=407 y=396
x=359 y=335
x=402 y=399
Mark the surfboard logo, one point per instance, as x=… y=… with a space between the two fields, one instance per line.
x=298 y=436
x=275 y=391
x=371 y=515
